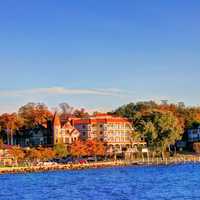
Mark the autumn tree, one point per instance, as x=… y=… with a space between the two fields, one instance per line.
x=78 y=149
x=46 y=153
x=1 y=144
x=88 y=148
x=95 y=148
x=34 y=114
x=17 y=153
x=33 y=155
x=9 y=124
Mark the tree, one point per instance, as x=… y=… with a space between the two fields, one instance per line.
x=80 y=113
x=194 y=124
x=88 y=148
x=78 y=149
x=9 y=124
x=33 y=155
x=95 y=148
x=1 y=144
x=65 y=109
x=46 y=153
x=60 y=150
x=17 y=153
x=34 y=114
x=185 y=116
x=160 y=129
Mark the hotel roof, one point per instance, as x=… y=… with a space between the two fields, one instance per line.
x=99 y=118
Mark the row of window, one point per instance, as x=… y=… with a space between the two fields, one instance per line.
x=111 y=133
x=195 y=131
x=118 y=133
x=67 y=140
x=118 y=139
x=109 y=126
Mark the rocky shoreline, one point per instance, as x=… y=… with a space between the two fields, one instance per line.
x=16 y=170
x=57 y=167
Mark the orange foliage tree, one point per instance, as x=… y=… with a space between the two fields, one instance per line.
x=34 y=114
x=9 y=123
x=40 y=154
x=95 y=148
x=1 y=144
x=33 y=155
x=46 y=153
x=88 y=148
x=17 y=153
x=78 y=149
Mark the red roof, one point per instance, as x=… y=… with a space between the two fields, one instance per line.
x=100 y=118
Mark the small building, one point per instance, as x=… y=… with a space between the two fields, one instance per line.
x=6 y=159
x=193 y=135
x=64 y=132
x=37 y=136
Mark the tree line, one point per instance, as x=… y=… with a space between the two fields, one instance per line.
x=89 y=148
x=160 y=125
x=33 y=114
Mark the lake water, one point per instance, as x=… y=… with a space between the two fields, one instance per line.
x=163 y=182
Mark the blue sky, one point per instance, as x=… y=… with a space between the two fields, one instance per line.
x=98 y=54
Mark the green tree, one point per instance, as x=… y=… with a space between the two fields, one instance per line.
x=160 y=129
x=60 y=150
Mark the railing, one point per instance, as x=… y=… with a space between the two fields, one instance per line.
x=165 y=161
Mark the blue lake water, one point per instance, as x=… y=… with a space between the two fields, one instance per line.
x=163 y=182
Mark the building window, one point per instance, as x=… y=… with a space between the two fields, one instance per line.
x=66 y=140
x=84 y=134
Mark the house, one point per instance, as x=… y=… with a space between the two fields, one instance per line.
x=39 y=135
x=64 y=132
x=54 y=132
x=6 y=159
x=193 y=135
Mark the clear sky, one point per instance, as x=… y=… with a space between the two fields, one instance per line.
x=98 y=54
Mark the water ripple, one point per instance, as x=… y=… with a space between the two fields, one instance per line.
x=180 y=182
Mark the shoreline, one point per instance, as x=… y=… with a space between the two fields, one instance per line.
x=61 y=167
x=96 y=165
